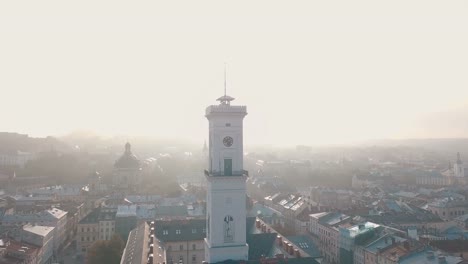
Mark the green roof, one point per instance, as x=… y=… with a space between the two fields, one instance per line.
x=305 y=243
x=263 y=244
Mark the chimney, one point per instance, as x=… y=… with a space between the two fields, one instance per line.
x=268 y=230
x=257 y=223
x=279 y=240
x=151 y=249
x=290 y=249
x=297 y=253
x=393 y=240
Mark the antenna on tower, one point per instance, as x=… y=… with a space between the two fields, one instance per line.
x=225 y=99
x=225 y=79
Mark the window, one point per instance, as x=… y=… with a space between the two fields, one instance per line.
x=204 y=230
x=177 y=232
x=228 y=124
x=228 y=229
x=87 y=229
x=194 y=247
x=82 y=230
x=169 y=248
x=82 y=238
x=181 y=247
x=165 y=232
x=194 y=231
x=227 y=167
x=194 y=258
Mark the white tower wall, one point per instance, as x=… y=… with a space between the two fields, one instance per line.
x=226 y=188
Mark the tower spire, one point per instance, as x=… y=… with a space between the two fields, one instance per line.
x=225 y=79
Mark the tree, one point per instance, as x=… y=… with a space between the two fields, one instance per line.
x=106 y=251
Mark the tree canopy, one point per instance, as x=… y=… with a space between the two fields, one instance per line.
x=106 y=251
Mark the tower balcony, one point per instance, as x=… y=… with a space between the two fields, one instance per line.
x=221 y=173
x=212 y=109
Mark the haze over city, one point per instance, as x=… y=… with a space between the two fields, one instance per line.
x=311 y=73
x=233 y=132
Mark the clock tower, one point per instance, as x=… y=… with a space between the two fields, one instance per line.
x=226 y=190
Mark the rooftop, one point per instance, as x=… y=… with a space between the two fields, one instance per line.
x=38 y=230
x=180 y=230
x=134 y=252
x=428 y=256
x=305 y=243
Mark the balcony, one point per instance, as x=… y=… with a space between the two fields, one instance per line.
x=234 y=173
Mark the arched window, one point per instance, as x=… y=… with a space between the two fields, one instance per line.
x=228 y=229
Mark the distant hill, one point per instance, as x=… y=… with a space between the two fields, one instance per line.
x=12 y=142
x=447 y=145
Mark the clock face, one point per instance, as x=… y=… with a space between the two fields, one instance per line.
x=227 y=141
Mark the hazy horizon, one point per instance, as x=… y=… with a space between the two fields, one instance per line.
x=309 y=72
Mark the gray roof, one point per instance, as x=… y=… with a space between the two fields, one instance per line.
x=180 y=230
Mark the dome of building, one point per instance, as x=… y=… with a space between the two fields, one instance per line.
x=127 y=160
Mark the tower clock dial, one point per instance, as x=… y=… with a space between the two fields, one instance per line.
x=227 y=141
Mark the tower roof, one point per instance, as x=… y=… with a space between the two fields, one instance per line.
x=127 y=160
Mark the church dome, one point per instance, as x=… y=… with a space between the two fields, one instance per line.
x=127 y=160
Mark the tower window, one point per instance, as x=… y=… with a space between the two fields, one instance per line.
x=165 y=232
x=177 y=232
x=228 y=124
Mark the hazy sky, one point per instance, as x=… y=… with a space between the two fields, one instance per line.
x=309 y=71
